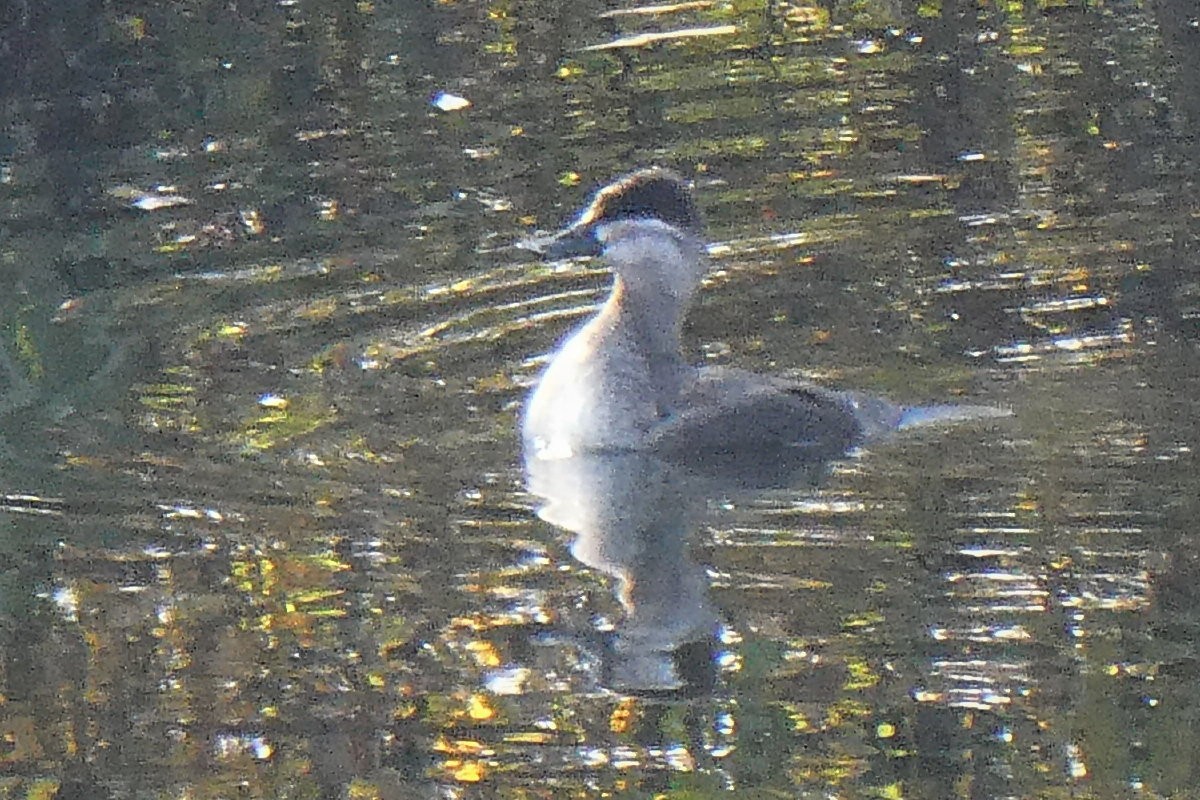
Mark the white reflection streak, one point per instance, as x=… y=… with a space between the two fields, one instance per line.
x=646 y=39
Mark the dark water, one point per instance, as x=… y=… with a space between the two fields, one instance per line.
x=265 y=337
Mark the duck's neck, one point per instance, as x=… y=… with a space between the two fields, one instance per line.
x=653 y=322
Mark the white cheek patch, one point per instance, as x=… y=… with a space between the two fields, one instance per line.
x=653 y=249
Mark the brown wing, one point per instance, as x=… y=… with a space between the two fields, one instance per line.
x=730 y=417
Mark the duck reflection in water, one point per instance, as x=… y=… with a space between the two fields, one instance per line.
x=624 y=439
x=632 y=515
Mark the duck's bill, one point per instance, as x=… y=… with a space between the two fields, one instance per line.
x=577 y=241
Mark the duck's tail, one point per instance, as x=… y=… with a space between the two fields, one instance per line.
x=927 y=416
x=878 y=418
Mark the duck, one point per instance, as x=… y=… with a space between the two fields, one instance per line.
x=620 y=382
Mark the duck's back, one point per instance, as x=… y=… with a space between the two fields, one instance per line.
x=733 y=416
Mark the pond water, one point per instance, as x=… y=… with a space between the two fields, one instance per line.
x=266 y=336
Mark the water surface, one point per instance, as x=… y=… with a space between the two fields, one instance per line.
x=266 y=336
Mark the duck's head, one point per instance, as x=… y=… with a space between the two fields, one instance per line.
x=646 y=194
x=658 y=266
